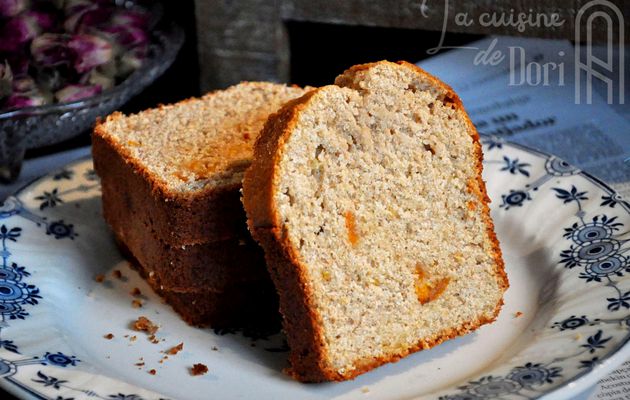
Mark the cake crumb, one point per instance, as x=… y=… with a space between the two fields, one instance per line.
x=365 y=389
x=109 y=336
x=152 y=371
x=133 y=338
x=135 y=292
x=139 y=364
x=117 y=274
x=135 y=303
x=215 y=348
x=518 y=314
x=176 y=349
x=198 y=369
x=99 y=278
x=143 y=324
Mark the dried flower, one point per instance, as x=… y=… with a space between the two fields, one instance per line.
x=43 y=20
x=19 y=63
x=11 y=8
x=131 y=60
x=72 y=48
x=76 y=92
x=6 y=80
x=126 y=36
x=24 y=84
x=96 y=77
x=17 y=32
x=130 y=18
x=89 y=51
x=83 y=15
x=51 y=50
x=20 y=100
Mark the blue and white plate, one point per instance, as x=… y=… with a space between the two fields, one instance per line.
x=565 y=324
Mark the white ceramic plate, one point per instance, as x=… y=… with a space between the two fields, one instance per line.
x=564 y=325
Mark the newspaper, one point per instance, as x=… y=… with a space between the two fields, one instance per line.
x=540 y=111
x=500 y=101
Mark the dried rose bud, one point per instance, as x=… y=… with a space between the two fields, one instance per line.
x=21 y=100
x=51 y=49
x=44 y=21
x=17 y=32
x=96 y=77
x=126 y=36
x=74 y=6
x=131 y=18
x=131 y=61
x=90 y=51
x=24 y=84
x=84 y=16
x=76 y=92
x=6 y=80
x=19 y=63
x=11 y=8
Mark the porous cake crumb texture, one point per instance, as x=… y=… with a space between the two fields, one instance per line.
x=372 y=187
x=200 y=142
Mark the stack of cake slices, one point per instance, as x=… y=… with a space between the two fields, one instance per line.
x=171 y=179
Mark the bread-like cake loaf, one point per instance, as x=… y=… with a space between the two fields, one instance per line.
x=368 y=200
x=171 y=179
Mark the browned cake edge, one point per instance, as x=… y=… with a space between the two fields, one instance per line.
x=242 y=305
x=305 y=339
x=132 y=196
x=207 y=266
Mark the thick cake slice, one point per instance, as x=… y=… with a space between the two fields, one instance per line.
x=171 y=179
x=368 y=200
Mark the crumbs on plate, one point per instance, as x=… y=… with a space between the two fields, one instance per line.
x=198 y=369
x=176 y=349
x=143 y=324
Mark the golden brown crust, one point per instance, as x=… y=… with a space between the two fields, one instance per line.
x=209 y=266
x=243 y=305
x=176 y=219
x=300 y=323
x=305 y=339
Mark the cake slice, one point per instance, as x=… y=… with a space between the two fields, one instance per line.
x=171 y=179
x=368 y=200
x=180 y=166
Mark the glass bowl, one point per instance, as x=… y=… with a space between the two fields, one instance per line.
x=32 y=127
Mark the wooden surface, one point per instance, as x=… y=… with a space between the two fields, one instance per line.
x=248 y=40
